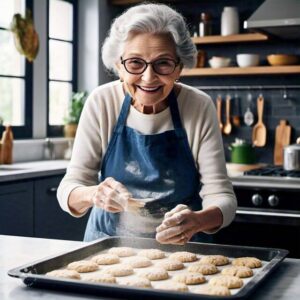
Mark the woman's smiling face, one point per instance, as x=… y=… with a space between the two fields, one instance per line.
x=149 y=88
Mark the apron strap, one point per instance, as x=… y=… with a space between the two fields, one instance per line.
x=179 y=130
x=123 y=114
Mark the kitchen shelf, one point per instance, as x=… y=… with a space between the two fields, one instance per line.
x=235 y=38
x=261 y=70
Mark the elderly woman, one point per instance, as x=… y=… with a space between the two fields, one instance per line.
x=148 y=137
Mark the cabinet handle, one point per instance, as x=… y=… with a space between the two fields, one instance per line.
x=52 y=190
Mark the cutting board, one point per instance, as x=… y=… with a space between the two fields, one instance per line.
x=282 y=139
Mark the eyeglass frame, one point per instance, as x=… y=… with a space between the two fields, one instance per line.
x=123 y=62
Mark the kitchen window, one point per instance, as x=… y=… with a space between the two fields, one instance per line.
x=15 y=74
x=62 y=79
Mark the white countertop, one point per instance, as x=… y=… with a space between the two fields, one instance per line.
x=32 y=169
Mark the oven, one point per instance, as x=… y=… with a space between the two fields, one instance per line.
x=268 y=213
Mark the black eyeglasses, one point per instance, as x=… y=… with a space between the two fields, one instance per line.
x=161 y=66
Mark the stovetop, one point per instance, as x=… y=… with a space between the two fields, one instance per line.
x=274 y=171
x=269 y=176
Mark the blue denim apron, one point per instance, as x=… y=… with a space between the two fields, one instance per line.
x=159 y=166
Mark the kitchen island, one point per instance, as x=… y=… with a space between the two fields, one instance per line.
x=284 y=283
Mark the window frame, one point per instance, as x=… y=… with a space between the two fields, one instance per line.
x=26 y=130
x=57 y=130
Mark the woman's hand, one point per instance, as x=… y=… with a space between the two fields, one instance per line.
x=111 y=196
x=181 y=223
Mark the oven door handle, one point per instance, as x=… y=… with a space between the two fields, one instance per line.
x=262 y=213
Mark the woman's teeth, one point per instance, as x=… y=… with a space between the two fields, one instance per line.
x=148 y=89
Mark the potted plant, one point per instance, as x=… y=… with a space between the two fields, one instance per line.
x=74 y=112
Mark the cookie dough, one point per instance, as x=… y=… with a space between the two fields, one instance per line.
x=171 y=265
x=118 y=270
x=106 y=259
x=152 y=253
x=137 y=282
x=83 y=266
x=184 y=256
x=172 y=286
x=239 y=271
x=213 y=290
x=205 y=269
x=217 y=260
x=154 y=274
x=138 y=261
x=121 y=251
x=231 y=282
x=100 y=278
x=70 y=274
x=250 y=262
x=189 y=278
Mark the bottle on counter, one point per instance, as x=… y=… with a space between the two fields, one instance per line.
x=205 y=25
x=230 y=21
x=7 y=146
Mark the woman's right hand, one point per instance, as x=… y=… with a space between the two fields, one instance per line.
x=111 y=196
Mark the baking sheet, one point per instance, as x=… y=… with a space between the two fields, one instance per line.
x=34 y=274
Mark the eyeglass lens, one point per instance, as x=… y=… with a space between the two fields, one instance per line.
x=160 y=66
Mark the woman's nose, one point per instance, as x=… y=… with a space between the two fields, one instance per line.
x=149 y=73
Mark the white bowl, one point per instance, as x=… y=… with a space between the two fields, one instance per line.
x=219 y=62
x=247 y=60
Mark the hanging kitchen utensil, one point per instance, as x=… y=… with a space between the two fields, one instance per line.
x=259 y=133
x=219 y=111
x=228 y=127
x=236 y=117
x=248 y=116
x=282 y=139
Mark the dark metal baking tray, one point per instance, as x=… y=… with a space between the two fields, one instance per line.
x=33 y=274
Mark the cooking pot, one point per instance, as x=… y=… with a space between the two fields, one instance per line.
x=291 y=157
x=242 y=152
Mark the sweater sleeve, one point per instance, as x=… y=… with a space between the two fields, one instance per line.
x=216 y=189
x=86 y=155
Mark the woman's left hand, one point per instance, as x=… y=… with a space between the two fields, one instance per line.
x=181 y=224
x=178 y=228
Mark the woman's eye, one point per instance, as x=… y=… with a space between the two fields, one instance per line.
x=136 y=63
x=163 y=63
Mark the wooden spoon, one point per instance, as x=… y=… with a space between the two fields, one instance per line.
x=259 y=133
x=227 y=128
x=219 y=111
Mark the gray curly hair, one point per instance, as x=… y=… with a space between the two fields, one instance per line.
x=148 y=18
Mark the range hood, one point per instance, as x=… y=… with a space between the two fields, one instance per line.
x=280 y=18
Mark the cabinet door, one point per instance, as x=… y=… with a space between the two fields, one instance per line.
x=16 y=208
x=49 y=219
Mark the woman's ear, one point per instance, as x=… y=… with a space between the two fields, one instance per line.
x=120 y=71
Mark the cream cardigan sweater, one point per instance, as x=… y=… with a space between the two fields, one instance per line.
x=198 y=116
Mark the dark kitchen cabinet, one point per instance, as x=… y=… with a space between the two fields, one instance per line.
x=16 y=210
x=30 y=208
x=49 y=219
